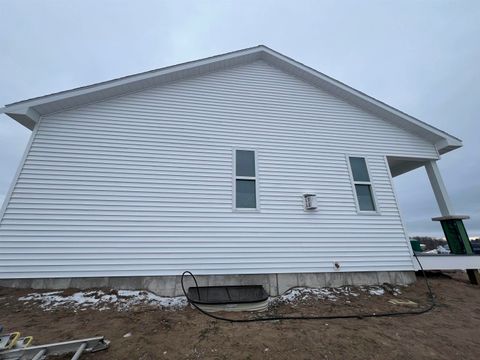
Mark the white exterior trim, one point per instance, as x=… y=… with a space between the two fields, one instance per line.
x=8 y=195
x=439 y=189
x=129 y=79
x=76 y=97
x=405 y=231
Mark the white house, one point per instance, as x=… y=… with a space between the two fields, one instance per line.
x=206 y=166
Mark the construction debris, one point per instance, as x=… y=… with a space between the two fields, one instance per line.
x=402 y=302
x=15 y=347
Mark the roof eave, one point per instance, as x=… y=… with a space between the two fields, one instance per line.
x=26 y=116
x=438 y=137
x=28 y=112
x=448 y=144
x=199 y=67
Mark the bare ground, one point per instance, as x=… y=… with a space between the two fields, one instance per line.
x=450 y=331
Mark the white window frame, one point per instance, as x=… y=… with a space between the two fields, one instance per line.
x=235 y=178
x=353 y=183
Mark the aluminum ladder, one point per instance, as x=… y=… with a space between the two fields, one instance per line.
x=41 y=352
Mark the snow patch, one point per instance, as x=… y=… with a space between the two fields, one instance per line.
x=303 y=294
x=98 y=299
x=376 y=290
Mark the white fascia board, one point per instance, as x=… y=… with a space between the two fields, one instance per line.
x=21 y=111
x=164 y=72
x=441 y=139
x=25 y=116
x=76 y=97
x=448 y=144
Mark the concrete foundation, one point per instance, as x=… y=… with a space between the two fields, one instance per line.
x=274 y=284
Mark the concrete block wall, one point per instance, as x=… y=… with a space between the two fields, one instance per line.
x=274 y=284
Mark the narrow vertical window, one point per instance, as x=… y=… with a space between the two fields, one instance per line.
x=245 y=180
x=362 y=184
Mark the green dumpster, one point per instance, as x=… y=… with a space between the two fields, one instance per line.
x=416 y=245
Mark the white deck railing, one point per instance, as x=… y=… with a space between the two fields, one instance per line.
x=447 y=262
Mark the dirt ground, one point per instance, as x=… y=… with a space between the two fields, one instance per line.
x=450 y=331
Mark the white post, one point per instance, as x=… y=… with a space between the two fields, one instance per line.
x=439 y=188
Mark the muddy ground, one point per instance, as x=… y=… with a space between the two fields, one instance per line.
x=450 y=331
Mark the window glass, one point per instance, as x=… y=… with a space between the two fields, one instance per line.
x=246 y=194
x=359 y=169
x=365 y=198
x=245 y=163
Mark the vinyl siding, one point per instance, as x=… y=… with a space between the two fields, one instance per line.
x=142 y=184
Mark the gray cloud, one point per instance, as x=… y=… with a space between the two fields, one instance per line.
x=421 y=57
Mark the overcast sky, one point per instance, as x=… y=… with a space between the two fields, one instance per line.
x=422 y=57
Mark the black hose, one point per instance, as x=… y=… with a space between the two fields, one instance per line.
x=196 y=285
x=431 y=298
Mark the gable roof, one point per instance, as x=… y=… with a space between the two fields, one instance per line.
x=28 y=112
